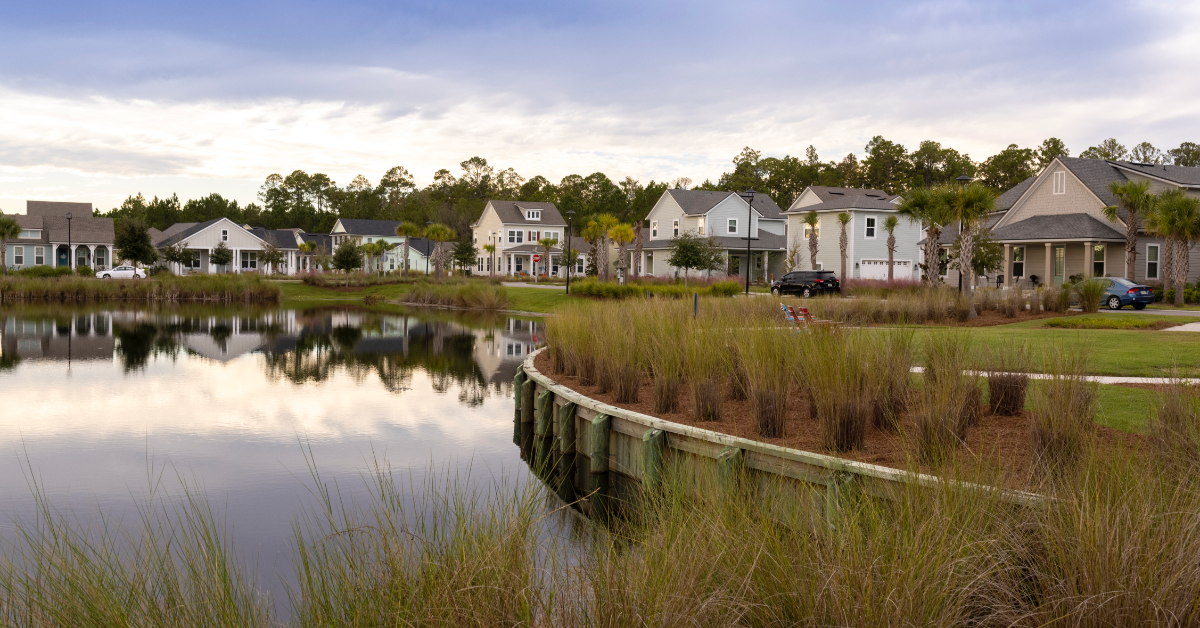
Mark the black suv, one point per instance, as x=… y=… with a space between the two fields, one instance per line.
x=806 y=283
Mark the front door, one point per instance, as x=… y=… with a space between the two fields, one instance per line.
x=1060 y=264
x=64 y=256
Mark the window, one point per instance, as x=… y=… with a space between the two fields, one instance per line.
x=1152 y=261
x=193 y=261
x=943 y=261
x=700 y=229
x=579 y=266
x=1060 y=182
x=533 y=214
x=515 y=237
x=819 y=265
x=870 y=231
x=249 y=260
x=808 y=230
x=39 y=255
x=533 y=236
x=1060 y=263
x=732 y=225
x=653 y=228
x=550 y=235
x=509 y=265
x=520 y=263
x=479 y=264
x=30 y=234
x=1098 y=260
x=100 y=259
x=1018 y=269
x=18 y=256
x=224 y=235
x=675 y=227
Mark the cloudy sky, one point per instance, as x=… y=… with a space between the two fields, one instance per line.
x=103 y=99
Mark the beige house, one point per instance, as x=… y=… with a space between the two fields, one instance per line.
x=1052 y=225
x=515 y=228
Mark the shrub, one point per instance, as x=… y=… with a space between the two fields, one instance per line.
x=85 y=271
x=1064 y=408
x=1008 y=378
x=881 y=288
x=43 y=271
x=209 y=288
x=470 y=295
x=1090 y=293
x=1175 y=424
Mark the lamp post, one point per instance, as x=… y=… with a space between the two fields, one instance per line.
x=70 y=253
x=748 y=196
x=570 y=262
x=963 y=180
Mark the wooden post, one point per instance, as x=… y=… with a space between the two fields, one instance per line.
x=566 y=452
x=543 y=434
x=518 y=382
x=601 y=427
x=527 y=392
x=654 y=443
x=730 y=462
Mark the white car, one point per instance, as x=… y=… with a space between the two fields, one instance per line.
x=122 y=272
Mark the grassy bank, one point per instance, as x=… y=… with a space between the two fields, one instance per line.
x=208 y=288
x=1118 y=548
x=520 y=299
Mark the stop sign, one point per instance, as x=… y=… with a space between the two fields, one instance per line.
x=537 y=258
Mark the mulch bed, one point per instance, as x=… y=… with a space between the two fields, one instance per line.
x=997 y=443
x=992 y=318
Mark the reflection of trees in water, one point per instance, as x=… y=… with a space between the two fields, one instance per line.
x=138 y=341
x=446 y=353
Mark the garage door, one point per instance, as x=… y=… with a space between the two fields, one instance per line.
x=877 y=269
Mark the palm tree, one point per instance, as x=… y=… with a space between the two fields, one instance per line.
x=638 y=243
x=928 y=207
x=1135 y=198
x=1177 y=216
x=370 y=250
x=889 y=225
x=407 y=230
x=813 y=221
x=545 y=243
x=9 y=230
x=843 y=241
x=490 y=248
x=604 y=222
x=306 y=249
x=440 y=234
x=971 y=205
x=622 y=234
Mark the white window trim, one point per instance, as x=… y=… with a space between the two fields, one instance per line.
x=1104 y=262
x=224 y=235
x=39 y=251
x=870 y=228
x=675 y=227
x=18 y=252
x=732 y=226
x=700 y=227
x=1060 y=182
x=1157 y=263
x=533 y=214
x=653 y=228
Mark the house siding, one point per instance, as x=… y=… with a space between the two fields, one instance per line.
x=664 y=212
x=731 y=207
x=907 y=236
x=1040 y=200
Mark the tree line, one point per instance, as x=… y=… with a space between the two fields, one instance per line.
x=314 y=202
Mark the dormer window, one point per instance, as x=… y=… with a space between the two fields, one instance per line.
x=533 y=214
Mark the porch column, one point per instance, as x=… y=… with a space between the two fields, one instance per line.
x=1087 y=259
x=71 y=253
x=1007 y=265
x=1049 y=278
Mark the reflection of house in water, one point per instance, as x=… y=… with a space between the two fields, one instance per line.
x=499 y=351
x=84 y=336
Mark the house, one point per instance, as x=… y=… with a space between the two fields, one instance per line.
x=361 y=231
x=287 y=241
x=1052 y=225
x=322 y=244
x=866 y=251
x=61 y=234
x=724 y=216
x=200 y=239
x=515 y=228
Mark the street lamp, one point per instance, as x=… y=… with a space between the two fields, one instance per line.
x=570 y=262
x=748 y=196
x=70 y=253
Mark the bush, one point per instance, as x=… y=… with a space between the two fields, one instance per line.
x=475 y=295
x=881 y=288
x=160 y=271
x=1064 y=409
x=85 y=271
x=1090 y=293
x=612 y=290
x=44 y=271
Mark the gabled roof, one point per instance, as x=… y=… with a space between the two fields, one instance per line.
x=86 y=230
x=700 y=202
x=422 y=246
x=829 y=193
x=949 y=233
x=1058 y=227
x=848 y=202
x=364 y=227
x=1181 y=175
x=174 y=234
x=512 y=213
x=322 y=240
x=1006 y=200
x=1096 y=174
x=281 y=238
x=57 y=208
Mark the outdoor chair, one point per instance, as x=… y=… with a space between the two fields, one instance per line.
x=802 y=314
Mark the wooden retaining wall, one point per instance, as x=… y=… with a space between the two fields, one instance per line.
x=598 y=454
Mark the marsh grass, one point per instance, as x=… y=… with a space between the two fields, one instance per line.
x=657 y=331
x=1008 y=377
x=769 y=354
x=244 y=288
x=1175 y=425
x=1035 y=301
x=927 y=306
x=1064 y=409
x=950 y=398
x=474 y=295
x=1090 y=292
x=704 y=367
x=836 y=372
x=1014 y=302
x=890 y=379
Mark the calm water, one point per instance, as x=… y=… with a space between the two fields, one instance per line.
x=94 y=399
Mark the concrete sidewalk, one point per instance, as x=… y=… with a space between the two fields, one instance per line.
x=1100 y=379
x=544 y=286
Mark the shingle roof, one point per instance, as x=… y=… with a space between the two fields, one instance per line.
x=510 y=213
x=421 y=245
x=281 y=238
x=1096 y=174
x=364 y=227
x=1005 y=201
x=949 y=233
x=698 y=202
x=175 y=233
x=765 y=242
x=322 y=240
x=85 y=230
x=858 y=201
x=1183 y=175
x=828 y=193
x=57 y=208
x=1059 y=227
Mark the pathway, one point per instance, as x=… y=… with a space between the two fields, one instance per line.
x=1099 y=379
x=544 y=286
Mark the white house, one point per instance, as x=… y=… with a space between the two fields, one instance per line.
x=725 y=216
x=514 y=228
x=362 y=231
x=200 y=239
x=866 y=251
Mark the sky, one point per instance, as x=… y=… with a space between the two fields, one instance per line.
x=101 y=99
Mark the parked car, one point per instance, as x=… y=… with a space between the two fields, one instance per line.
x=122 y=272
x=1119 y=291
x=806 y=283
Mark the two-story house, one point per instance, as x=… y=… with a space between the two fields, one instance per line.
x=728 y=218
x=362 y=231
x=61 y=234
x=515 y=229
x=866 y=250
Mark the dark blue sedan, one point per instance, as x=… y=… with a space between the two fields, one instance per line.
x=1119 y=292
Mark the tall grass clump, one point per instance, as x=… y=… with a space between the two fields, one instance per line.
x=570 y=331
x=245 y=288
x=1014 y=302
x=659 y=326
x=1035 y=300
x=1175 y=424
x=951 y=401
x=891 y=377
x=704 y=370
x=1064 y=408
x=475 y=295
x=1090 y=292
x=835 y=368
x=988 y=299
x=768 y=355
x=1008 y=378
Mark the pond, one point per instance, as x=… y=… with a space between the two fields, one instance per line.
x=99 y=402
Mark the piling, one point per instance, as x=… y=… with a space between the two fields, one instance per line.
x=600 y=489
x=543 y=432
x=654 y=444
x=566 y=452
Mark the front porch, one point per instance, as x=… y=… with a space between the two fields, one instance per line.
x=94 y=256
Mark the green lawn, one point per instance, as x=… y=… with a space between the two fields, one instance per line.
x=536 y=299
x=522 y=299
x=1124 y=408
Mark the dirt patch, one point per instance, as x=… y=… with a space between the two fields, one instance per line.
x=1001 y=443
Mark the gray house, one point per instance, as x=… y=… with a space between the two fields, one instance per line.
x=866 y=252
x=61 y=234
